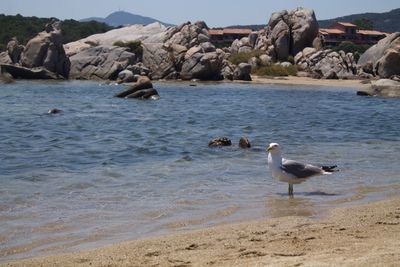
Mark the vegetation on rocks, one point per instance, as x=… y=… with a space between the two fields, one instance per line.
x=276 y=70
x=134 y=46
x=350 y=47
x=244 y=57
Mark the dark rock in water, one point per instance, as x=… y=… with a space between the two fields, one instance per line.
x=54 y=111
x=362 y=93
x=220 y=141
x=143 y=89
x=244 y=142
x=144 y=93
x=19 y=72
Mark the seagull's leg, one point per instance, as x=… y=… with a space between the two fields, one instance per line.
x=290 y=189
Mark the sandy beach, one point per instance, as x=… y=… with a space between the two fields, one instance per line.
x=365 y=235
x=294 y=80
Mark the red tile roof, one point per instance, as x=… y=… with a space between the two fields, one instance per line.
x=237 y=31
x=330 y=31
x=369 y=32
x=229 y=31
x=215 y=32
x=347 y=24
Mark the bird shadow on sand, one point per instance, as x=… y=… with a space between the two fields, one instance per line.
x=314 y=193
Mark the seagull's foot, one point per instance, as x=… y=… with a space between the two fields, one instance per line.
x=290 y=190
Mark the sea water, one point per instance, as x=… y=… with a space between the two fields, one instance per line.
x=106 y=169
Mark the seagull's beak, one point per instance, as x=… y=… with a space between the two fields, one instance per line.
x=269 y=149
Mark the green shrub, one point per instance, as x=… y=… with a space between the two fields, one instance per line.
x=134 y=46
x=276 y=70
x=24 y=28
x=349 y=47
x=244 y=57
x=290 y=59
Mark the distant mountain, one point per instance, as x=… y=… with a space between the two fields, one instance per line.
x=122 y=18
x=254 y=27
x=385 y=22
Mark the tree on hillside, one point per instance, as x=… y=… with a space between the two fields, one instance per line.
x=364 y=24
x=25 y=28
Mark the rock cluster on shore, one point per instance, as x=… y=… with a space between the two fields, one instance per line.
x=326 y=64
x=186 y=52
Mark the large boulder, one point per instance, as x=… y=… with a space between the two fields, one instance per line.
x=164 y=61
x=242 y=72
x=382 y=87
x=101 y=62
x=289 y=32
x=188 y=34
x=14 y=50
x=46 y=50
x=304 y=29
x=203 y=62
x=383 y=58
x=5 y=58
x=151 y=33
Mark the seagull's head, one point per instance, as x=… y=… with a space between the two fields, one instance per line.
x=273 y=148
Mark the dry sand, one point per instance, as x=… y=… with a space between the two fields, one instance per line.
x=367 y=235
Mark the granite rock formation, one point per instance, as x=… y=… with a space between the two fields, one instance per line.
x=326 y=63
x=101 y=62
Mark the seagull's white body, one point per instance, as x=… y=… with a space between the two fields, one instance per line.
x=275 y=165
x=290 y=171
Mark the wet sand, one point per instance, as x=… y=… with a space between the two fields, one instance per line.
x=365 y=235
x=293 y=80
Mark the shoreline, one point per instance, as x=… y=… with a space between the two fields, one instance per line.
x=285 y=80
x=360 y=235
x=294 y=80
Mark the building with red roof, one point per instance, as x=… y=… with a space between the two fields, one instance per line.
x=345 y=31
x=227 y=35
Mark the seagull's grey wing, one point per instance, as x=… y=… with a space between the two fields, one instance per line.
x=300 y=170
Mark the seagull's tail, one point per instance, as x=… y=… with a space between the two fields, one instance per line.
x=329 y=169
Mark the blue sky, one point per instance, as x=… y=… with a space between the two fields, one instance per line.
x=213 y=12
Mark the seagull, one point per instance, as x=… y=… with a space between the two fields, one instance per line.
x=290 y=171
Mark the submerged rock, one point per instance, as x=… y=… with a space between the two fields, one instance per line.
x=220 y=141
x=142 y=89
x=54 y=111
x=244 y=142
